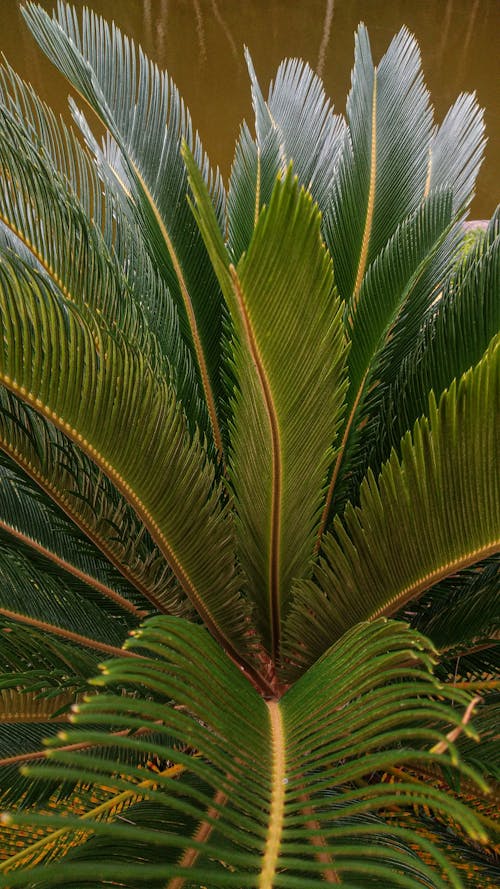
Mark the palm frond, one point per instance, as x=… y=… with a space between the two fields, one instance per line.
x=382 y=170
x=252 y=769
x=288 y=364
x=56 y=470
x=295 y=125
x=57 y=156
x=412 y=529
x=467 y=316
x=39 y=599
x=456 y=151
x=310 y=135
x=252 y=180
x=463 y=610
x=50 y=224
x=386 y=319
x=36 y=528
x=144 y=113
x=123 y=415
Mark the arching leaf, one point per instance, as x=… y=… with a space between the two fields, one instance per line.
x=382 y=170
x=57 y=471
x=289 y=364
x=385 y=321
x=255 y=760
x=143 y=111
x=431 y=514
x=108 y=400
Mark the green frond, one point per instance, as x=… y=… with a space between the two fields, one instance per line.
x=57 y=156
x=51 y=226
x=295 y=125
x=32 y=524
x=39 y=659
x=289 y=370
x=385 y=320
x=453 y=339
x=477 y=865
x=58 y=148
x=35 y=597
x=310 y=135
x=463 y=610
x=456 y=151
x=381 y=174
x=191 y=388
x=143 y=111
x=431 y=514
x=126 y=418
x=56 y=470
x=268 y=777
x=253 y=175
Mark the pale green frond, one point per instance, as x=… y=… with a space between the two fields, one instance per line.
x=381 y=175
x=310 y=134
x=65 y=169
x=106 y=398
x=57 y=147
x=296 y=125
x=143 y=111
x=456 y=151
x=252 y=180
x=71 y=250
x=453 y=339
x=55 y=469
x=289 y=362
x=429 y=515
x=33 y=525
x=268 y=777
x=388 y=310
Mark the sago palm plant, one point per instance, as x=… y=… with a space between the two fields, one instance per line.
x=250 y=511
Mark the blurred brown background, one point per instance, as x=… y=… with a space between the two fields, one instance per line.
x=200 y=43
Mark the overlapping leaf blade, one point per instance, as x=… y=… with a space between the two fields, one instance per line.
x=382 y=171
x=55 y=471
x=295 y=125
x=144 y=113
x=289 y=360
x=452 y=340
x=55 y=211
x=383 y=326
x=431 y=514
x=126 y=418
x=33 y=525
x=253 y=175
x=456 y=151
x=268 y=777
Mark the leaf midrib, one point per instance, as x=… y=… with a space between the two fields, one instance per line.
x=277 y=810
x=88 y=579
x=277 y=467
x=363 y=258
x=188 y=304
x=416 y=588
x=125 y=569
